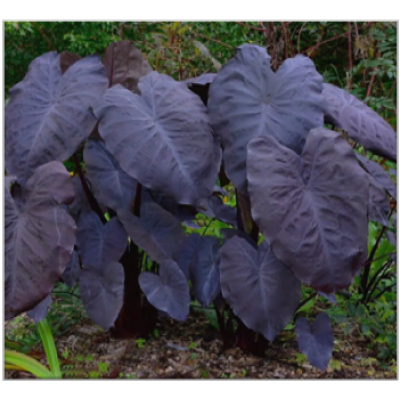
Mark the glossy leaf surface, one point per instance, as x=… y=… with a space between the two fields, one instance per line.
x=361 y=123
x=100 y=244
x=39 y=237
x=262 y=292
x=378 y=204
x=311 y=208
x=315 y=341
x=161 y=138
x=205 y=271
x=157 y=232
x=102 y=292
x=247 y=99
x=379 y=174
x=168 y=291
x=110 y=184
x=49 y=114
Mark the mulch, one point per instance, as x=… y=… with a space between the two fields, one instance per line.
x=192 y=350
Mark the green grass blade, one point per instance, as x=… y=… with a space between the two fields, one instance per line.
x=27 y=363
x=49 y=347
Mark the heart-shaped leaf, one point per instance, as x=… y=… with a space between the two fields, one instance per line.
x=102 y=292
x=379 y=174
x=204 y=271
x=361 y=123
x=315 y=341
x=39 y=237
x=100 y=244
x=247 y=99
x=125 y=64
x=110 y=184
x=162 y=138
x=168 y=291
x=72 y=270
x=262 y=292
x=40 y=311
x=311 y=208
x=157 y=232
x=49 y=114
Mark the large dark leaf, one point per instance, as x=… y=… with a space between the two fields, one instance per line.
x=315 y=341
x=100 y=244
x=168 y=291
x=248 y=99
x=72 y=270
x=361 y=123
x=379 y=174
x=312 y=209
x=110 y=184
x=125 y=64
x=378 y=205
x=40 y=311
x=157 y=232
x=161 y=138
x=262 y=292
x=49 y=115
x=185 y=254
x=39 y=237
x=102 y=292
x=179 y=211
x=67 y=59
x=205 y=271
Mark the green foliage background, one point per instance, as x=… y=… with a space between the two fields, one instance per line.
x=186 y=49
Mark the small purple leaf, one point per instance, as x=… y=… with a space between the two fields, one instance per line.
x=315 y=341
x=262 y=292
x=102 y=292
x=168 y=291
x=100 y=244
x=157 y=232
x=110 y=184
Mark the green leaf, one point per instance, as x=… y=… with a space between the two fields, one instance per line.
x=49 y=347
x=28 y=364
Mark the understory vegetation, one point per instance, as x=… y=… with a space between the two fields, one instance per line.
x=201 y=200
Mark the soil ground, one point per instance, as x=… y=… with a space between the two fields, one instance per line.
x=192 y=350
